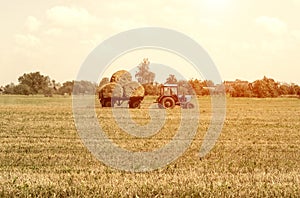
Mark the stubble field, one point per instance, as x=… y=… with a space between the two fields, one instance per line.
x=257 y=153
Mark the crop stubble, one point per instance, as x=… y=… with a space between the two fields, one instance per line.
x=257 y=153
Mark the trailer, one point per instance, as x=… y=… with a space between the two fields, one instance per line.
x=133 y=102
x=121 y=89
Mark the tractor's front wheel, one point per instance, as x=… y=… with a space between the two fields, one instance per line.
x=160 y=106
x=168 y=103
x=189 y=105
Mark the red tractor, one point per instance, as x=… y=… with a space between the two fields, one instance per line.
x=169 y=98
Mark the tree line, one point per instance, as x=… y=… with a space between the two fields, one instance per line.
x=263 y=88
x=266 y=87
x=36 y=83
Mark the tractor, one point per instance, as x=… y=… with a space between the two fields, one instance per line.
x=169 y=98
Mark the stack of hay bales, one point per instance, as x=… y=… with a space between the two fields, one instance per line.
x=111 y=90
x=133 y=89
x=121 y=85
x=122 y=77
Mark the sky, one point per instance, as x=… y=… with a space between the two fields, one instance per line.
x=246 y=39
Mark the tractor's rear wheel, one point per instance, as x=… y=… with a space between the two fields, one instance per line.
x=168 y=103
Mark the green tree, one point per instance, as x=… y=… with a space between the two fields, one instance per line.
x=199 y=86
x=208 y=83
x=184 y=87
x=241 y=89
x=171 y=79
x=196 y=86
x=54 y=85
x=144 y=75
x=292 y=89
x=37 y=82
x=48 y=92
x=22 y=89
x=66 y=88
x=266 y=87
x=297 y=89
x=284 y=89
x=84 y=87
x=9 y=89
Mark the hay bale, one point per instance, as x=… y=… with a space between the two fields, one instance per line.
x=104 y=81
x=133 y=89
x=110 y=90
x=122 y=77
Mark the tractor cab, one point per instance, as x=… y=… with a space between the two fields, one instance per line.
x=169 y=90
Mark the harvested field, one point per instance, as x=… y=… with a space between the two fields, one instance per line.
x=257 y=153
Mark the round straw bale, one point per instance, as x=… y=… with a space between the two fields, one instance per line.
x=133 y=89
x=110 y=90
x=122 y=77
